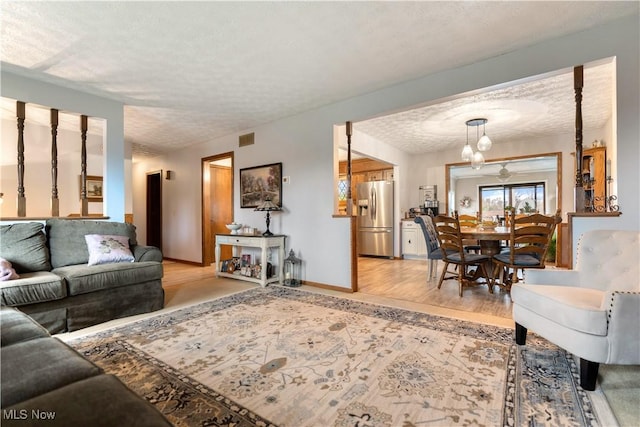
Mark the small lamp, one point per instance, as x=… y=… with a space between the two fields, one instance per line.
x=268 y=206
x=292 y=270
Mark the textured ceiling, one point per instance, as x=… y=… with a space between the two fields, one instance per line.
x=189 y=72
x=536 y=108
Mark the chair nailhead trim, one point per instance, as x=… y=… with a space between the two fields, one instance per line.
x=612 y=299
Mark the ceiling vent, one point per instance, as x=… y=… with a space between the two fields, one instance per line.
x=247 y=139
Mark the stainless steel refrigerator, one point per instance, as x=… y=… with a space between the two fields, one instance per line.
x=375 y=218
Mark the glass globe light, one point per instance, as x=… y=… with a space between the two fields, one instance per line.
x=484 y=143
x=477 y=161
x=467 y=153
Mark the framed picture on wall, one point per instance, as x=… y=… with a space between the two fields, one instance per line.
x=94 y=188
x=259 y=183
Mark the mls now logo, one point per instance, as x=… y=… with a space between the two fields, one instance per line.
x=23 y=414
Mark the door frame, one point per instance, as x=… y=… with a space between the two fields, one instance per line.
x=205 y=202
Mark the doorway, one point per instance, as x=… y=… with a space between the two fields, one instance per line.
x=217 y=203
x=154 y=209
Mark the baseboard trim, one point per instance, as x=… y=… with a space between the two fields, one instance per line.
x=182 y=261
x=329 y=287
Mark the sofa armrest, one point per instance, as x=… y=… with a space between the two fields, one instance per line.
x=552 y=277
x=146 y=253
x=623 y=333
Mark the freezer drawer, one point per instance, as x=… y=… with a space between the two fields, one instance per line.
x=378 y=242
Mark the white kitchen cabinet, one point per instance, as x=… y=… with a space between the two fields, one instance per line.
x=413 y=243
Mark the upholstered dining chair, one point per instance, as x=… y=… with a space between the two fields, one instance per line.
x=592 y=311
x=434 y=254
x=450 y=240
x=529 y=239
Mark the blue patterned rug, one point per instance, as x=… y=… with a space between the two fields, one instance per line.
x=286 y=357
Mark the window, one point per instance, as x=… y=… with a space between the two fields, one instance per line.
x=342 y=190
x=525 y=198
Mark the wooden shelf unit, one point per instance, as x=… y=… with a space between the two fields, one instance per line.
x=594 y=176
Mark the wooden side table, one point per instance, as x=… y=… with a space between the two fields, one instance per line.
x=262 y=242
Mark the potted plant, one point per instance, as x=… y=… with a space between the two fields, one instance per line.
x=551 y=251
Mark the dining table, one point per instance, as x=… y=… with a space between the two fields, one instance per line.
x=490 y=239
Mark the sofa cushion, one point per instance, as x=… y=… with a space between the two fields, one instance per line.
x=18 y=327
x=99 y=401
x=33 y=288
x=104 y=249
x=67 y=243
x=82 y=279
x=40 y=365
x=575 y=308
x=23 y=245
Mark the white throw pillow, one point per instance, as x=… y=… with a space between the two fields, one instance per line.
x=105 y=249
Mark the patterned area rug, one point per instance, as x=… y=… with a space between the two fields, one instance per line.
x=286 y=357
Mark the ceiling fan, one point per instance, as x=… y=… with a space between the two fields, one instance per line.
x=504 y=174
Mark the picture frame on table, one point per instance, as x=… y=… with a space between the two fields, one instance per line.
x=259 y=183
x=246 y=260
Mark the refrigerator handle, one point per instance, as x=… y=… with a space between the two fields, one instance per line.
x=374 y=203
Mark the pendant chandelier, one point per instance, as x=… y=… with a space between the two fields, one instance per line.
x=483 y=144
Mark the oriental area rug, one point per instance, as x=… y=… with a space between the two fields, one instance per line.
x=286 y=357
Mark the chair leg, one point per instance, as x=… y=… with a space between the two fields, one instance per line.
x=430 y=273
x=444 y=272
x=588 y=374
x=521 y=334
x=515 y=276
x=461 y=278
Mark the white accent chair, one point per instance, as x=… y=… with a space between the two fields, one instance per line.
x=592 y=311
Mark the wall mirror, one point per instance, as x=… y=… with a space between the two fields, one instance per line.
x=527 y=183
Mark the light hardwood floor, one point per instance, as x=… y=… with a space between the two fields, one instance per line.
x=407 y=280
x=393 y=280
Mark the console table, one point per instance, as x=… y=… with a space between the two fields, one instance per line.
x=262 y=242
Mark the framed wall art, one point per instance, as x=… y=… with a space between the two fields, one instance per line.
x=259 y=183
x=94 y=188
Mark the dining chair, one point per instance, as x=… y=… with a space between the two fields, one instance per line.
x=470 y=221
x=529 y=238
x=434 y=254
x=450 y=240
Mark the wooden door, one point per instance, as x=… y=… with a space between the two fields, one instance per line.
x=221 y=209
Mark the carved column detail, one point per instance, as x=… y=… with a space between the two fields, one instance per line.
x=84 y=208
x=55 y=202
x=349 y=196
x=579 y=189
x=22 y=201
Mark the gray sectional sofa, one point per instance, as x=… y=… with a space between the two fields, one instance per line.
x=58 y=288
x=46 y=382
